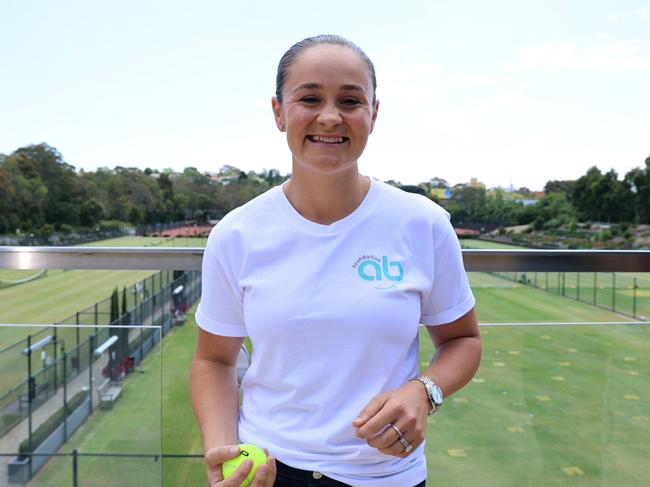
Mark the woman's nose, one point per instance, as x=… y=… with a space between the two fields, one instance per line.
x=329 y=115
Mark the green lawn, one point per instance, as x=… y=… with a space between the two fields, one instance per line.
x=150 y=242
x=550 y=406
x=470 y=243
x=60 y=294
x=134 y=425
x=624 y=292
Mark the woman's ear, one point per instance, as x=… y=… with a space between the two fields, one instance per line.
x=278 y=114
x=375 y=109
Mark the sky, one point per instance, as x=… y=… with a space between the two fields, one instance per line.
x=505 y=91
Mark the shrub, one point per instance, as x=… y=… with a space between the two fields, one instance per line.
x=53 y=422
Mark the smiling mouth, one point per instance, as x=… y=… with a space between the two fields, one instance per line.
x=326 y=140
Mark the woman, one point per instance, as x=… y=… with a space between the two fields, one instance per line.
x=330 y=275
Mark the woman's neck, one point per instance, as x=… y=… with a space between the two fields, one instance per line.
x=326 y=199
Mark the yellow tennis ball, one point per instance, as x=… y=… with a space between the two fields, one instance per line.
x=246 y=451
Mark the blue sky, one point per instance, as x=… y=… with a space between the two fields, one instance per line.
x=504 y=91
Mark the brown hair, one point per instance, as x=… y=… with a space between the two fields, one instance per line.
x=324 y=39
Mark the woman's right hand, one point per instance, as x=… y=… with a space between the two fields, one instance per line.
x=214 y=458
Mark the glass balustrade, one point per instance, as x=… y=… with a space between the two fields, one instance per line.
x=562 y=396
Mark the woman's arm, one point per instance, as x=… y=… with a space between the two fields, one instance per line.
x=215 y=399
x=457 y=357
x=458 y=353
x=213 y=386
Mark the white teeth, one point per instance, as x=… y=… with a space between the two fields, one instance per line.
x=329 y=140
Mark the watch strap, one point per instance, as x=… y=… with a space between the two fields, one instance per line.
x=428 y=384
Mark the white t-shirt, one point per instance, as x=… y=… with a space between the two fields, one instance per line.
x=332 y=312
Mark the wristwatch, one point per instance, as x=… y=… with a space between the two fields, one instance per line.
x=433 y=392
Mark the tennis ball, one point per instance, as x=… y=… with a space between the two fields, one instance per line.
x=246 y=451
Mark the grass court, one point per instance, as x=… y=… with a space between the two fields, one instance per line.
x=550 y=405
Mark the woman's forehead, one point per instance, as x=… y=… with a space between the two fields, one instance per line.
x=328 y=64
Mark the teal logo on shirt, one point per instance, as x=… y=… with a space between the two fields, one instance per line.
x=371 y=268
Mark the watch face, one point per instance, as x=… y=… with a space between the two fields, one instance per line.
x=436 y=393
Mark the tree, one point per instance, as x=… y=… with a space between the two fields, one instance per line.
x=556 y=186
x=602 y=197
x=90 y=213
x=438 y=183
x=471 y=199
x=638 y=180
x=125 y=307
x=29 y=192
x=115 y=306
x=413 y=189
x=123 y=349
x=8 y=219
x=64 y=193
x=552 y=211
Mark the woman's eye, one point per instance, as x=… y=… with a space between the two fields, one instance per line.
x=309 y=99
x=349 y=102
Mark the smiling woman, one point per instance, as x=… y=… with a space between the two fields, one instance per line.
x=327 y=111
x=329 y=275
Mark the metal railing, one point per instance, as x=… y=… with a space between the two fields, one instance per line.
x=476 y=260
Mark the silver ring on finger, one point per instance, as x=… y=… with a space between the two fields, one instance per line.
x=407 y=446
x=399 y=433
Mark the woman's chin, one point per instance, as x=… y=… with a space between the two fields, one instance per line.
x=325 y=166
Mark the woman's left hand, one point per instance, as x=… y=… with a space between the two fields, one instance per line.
x=406 y=409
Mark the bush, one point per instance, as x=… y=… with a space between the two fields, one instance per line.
x=66 y=229
x=46 y=230
x=53 y=422
x=105 y=225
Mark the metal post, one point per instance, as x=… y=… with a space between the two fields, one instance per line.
x=30 y=391
x=55 y=357
x=613 y=291
x=564 y=284
x=96 y=316
x=91 y=347
x=578 y=286
x=558 y=283
x=77 y=330
x=65 y=397
x=595 y=286
x=634 y=298
x=75 y=480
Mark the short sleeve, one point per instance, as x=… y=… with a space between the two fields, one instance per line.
x=221 y=308
x=450 y=296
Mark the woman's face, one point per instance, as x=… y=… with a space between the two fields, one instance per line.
x=327 y=109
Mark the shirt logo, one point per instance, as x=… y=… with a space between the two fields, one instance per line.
x=373 y=269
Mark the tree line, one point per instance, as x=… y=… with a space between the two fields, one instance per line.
x=596 y=196
x=40 y=192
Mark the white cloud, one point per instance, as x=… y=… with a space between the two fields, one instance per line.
x=469 y=81
x=609 y=54
x=547 y=55
x=641 y=13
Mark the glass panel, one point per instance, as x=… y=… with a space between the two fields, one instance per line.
x=550 y=405
x=101 y=399
x=583 y=296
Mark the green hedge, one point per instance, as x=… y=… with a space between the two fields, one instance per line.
x=52 y=423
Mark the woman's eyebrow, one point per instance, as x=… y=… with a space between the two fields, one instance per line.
x=312 y=86
x=353 y=88
x=307 y=86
